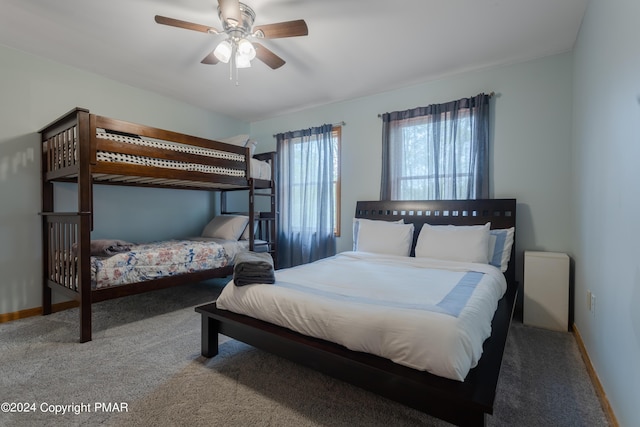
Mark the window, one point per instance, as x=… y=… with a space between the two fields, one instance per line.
x=428 y=168
x=309 y=158
x=436 y=152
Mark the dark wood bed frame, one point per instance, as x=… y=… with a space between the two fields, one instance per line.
x=69 y=154
x=463 y=403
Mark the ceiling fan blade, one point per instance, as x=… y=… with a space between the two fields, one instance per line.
x=186 y=25
x=268 y=57
x=210 y=59
x=230 y=11
x=282 y=29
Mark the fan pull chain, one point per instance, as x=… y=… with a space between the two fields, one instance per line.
x=233 y=65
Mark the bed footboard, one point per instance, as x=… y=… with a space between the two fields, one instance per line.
x=462 y=403
x=66 y=266
x=63 y=249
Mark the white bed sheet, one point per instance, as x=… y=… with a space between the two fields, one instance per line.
x=401 y=308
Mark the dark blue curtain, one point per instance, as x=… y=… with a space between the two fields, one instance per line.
x=437 y=152
x=306 y=202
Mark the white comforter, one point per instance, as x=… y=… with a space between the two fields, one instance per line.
x=422 y=313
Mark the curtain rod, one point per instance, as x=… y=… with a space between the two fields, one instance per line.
x=491 y=95
x=332 y=124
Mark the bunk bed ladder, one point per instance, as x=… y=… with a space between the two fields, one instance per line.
x=268 y=220
x=265 y=222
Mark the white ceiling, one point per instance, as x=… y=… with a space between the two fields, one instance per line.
x=354 y=47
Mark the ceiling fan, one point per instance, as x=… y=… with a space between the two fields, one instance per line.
x=240 y=45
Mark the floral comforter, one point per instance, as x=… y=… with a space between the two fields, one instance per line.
x=154 y=260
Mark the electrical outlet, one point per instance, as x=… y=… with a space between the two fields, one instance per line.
x=589 y=300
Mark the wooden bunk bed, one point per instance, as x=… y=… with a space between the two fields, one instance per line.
x=461 y=403
x=89 y=149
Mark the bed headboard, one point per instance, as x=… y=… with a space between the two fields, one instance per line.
x=500 y=212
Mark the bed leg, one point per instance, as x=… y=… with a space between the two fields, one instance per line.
x=475 y=419
x=85 y=320
x=209 y=337
x=46 y=300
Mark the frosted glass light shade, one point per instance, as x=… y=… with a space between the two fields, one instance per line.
x=223 y=51
x=242 y=61
x=246 y=49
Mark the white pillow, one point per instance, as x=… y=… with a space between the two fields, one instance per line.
x=242 y=141
x=239 y=140
x=500 y=243
x=384 y=237
x=468 y=243
x=245 y=233
x=251 y=144
x=227 y=227
x=356 y=228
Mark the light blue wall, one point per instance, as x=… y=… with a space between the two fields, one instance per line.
x=34 y=92
x=565 y=143
x=530 y=135
x=606 y=178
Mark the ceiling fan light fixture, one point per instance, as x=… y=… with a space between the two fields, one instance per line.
x=242 y=61
x=223 y=51
x=246 y=49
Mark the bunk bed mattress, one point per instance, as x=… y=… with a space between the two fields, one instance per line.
x=258 y=169
x=422 y=313
x=155 y=260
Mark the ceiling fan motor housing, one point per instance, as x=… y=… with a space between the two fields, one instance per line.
x=238 y=29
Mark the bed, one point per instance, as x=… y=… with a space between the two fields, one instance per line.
x=136 y=263
x=90 y=149
x=462 y=396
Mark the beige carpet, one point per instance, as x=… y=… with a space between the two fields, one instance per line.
x=145 y=355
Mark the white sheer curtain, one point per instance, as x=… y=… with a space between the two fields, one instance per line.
x=437 y=152
x=306 y=202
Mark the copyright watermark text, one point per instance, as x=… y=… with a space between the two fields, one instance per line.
x=62 y=409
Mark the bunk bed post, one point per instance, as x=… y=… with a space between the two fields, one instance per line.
x=85 y=138
x=84 y=277
x=273 y=225
x=252 y=215
x=47 y=206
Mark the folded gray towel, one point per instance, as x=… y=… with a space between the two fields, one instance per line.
x=253 y=267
